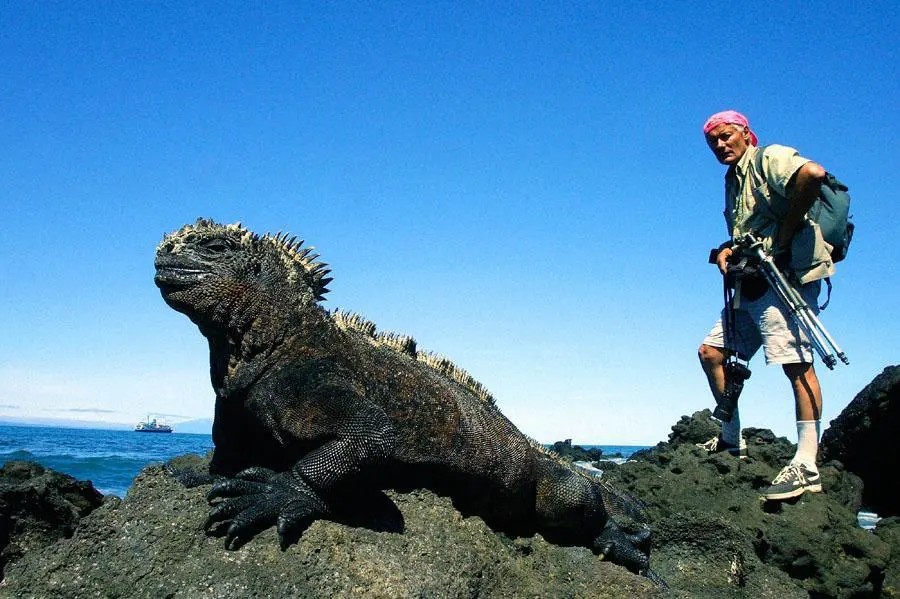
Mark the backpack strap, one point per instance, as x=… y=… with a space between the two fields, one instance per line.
x=828 y=297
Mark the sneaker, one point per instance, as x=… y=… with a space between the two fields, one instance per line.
x=716 y=444
x=794 y=480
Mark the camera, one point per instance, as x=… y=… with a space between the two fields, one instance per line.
x=735 y=375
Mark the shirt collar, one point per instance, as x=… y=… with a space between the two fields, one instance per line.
x=745 y=160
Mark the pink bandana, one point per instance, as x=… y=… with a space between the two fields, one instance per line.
x=729 y=117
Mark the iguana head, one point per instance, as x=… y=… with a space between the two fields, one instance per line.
x=224 y=276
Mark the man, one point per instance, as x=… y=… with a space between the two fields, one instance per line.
x=769 y=198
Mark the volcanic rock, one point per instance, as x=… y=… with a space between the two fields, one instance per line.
x=576 y=453
x=717 y=537
x=152 y=544
x=39 y=506
x=864 y=439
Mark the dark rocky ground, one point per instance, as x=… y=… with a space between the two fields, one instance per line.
x=863 y=438
x=38 y=507
x=714 y=536
x=714 y=501
x=812 y=544
x=151 y=544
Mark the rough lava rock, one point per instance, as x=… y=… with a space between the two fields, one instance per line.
x=888 y=530
x=864 y=438
x=576 y=453
x=152 y=544
x=39 y=506
x=716 y=536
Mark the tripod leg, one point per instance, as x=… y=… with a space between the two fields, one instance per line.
x=798 y=308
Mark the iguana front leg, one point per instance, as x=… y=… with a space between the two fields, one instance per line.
x=359 y=435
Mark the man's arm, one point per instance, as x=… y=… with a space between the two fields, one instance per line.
x=803 y=190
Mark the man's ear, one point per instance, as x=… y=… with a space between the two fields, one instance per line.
x=746 y=134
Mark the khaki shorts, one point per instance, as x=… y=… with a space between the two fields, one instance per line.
x=764 y=322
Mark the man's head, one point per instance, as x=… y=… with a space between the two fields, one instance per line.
x=728 y=135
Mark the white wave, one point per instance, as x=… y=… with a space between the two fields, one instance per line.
x=589 y=466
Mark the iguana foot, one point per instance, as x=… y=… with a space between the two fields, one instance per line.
x=257 y=498
x=189 y=470
x=189 y=478
x=629 y=550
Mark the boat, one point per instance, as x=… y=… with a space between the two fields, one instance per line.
x=152 y=426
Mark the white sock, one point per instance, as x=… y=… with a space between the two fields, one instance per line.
x=807 y=443
x=731 y=431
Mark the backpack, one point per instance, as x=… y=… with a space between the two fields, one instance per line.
x=831 y=211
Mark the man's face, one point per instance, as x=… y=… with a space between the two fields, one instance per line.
x=728 y=142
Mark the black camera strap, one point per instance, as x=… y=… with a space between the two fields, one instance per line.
x=728 y=321
x=735 y=372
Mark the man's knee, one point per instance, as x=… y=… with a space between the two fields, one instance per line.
x=711 y=356
x=799 y=370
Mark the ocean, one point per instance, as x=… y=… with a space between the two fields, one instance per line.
x=108 y=458
x=112 y=458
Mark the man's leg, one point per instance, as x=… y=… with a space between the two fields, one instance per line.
x=808 y=410
x=712 y=359
x=801 y=474
x=807 y=392
x=786 y=345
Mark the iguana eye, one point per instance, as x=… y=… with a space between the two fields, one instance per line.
x=216 y=244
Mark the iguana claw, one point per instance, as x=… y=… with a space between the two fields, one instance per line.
x=629 y=550
x=258 y=498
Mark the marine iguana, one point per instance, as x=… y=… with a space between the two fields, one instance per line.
x=311 y=403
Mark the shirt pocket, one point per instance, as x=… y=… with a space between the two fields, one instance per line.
x=771 y=204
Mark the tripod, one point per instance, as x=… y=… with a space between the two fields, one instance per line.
x=799 y=310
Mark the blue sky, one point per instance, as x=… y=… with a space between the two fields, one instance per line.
x=522 y=187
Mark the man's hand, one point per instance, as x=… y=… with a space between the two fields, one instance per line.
x=722 y=259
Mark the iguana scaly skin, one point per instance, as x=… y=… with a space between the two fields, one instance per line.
x=311 y=404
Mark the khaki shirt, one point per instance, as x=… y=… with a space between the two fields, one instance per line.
x=757 y=202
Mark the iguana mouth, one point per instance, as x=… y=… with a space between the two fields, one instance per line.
x=168 y=277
